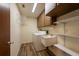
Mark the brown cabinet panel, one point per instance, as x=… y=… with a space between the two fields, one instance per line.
x=47 y=20
x=43 y=20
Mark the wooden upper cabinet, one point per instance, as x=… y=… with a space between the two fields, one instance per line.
x=40 y=20
x=63 y=8
x=43 y=20
x=48 y=21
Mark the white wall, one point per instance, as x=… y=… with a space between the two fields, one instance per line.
x=28 y=27
x=60 y=29
x=15 y=29
x=49 y=7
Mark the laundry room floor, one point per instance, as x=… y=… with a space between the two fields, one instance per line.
x=28 y=50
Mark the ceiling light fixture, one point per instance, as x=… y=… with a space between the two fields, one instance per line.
x=35 y=4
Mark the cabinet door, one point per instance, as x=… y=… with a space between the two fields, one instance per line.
x=47 y=20
x=38 y=22
x=41 y=20
x=44 y=20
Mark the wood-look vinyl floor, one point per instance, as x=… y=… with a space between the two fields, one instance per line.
x=28 y=50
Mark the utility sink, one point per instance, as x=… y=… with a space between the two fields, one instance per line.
x=48 y=40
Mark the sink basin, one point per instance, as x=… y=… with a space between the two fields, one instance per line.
x=48 y=40
x=40 y=33
x=49 y=36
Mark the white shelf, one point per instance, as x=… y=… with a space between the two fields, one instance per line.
x=67 y=20
x=69 y=51
x=72 y=36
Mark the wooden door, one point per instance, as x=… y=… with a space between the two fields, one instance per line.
x=4 y=31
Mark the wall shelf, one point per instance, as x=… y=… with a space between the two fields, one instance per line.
x=67 y=20
x=66 y=35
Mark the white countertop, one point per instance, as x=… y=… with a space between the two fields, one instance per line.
x=48 y=36
x=40 y=33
